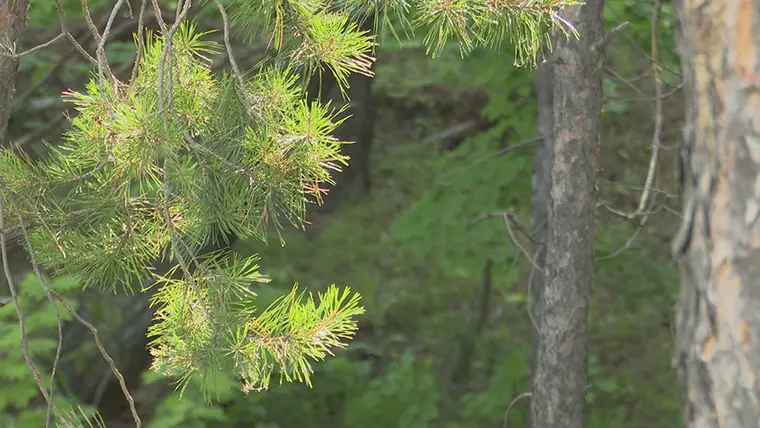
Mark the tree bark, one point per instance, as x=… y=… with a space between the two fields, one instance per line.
x=13 y=23
x=541 y=181
x=718 y=315
x=559 y=381
x=13 y=20
x=542 y=164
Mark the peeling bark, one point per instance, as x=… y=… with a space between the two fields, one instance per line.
x=559 y=382
x=718 y=315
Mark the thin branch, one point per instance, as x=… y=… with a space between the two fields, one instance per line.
x=88 y=18
x=175 y=243
x=114 y=370
x=166 y=53
x=159 y=16
x=626 y=246
x=48 y=294
x=65 y=30
x=500 y=152
x=601 y=45
x=511 y=404
x=233 y=63
x=11 y=49
x=140 y=41
x=22 y=329
x=517 y=242
x=635 y=234
x=638 y=48
x=520 y=226
x=644 y=98
x=658 y=120
x=100 y=52
x=658 y=106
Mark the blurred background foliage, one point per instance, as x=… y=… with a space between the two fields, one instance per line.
x=446 y=335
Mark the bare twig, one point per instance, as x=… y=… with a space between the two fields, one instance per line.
x=22 y=329
x=601 y=45
x=231 y=57
x=106 y=356
x=159 y=16
x=11 y=49
x=658 y=106
x=638 y=48
x=48 y=294
x=140 y=41
x=104 y=70
x=636 y=232
x=166 y=55
x=500 y=152
x=520 y=226
x=644 y=98
x=641 y=210
x=88 y=18
x=511 y=404
x=517 y=242
x=65 y=31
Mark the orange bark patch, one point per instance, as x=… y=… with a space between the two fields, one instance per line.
x=744 y=59
x=708 y=349
x=744 y=332
x=728 y=303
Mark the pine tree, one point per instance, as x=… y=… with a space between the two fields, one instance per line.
x=161 y=165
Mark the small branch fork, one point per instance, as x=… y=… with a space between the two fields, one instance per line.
x=52 y=296
x=648 y=194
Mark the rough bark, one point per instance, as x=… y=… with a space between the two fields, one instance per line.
x=13 y=20
x=718 y=315
x=559 y=381
x=542 y=163
x=541 y=180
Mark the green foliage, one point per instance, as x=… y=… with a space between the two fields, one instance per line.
x=506 y=383
x=135 y=182
x=451 y=223
x=18 y=390
x=308 y=27
x=191 y=409
x=406 y=396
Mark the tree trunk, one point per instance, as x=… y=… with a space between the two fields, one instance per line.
x=13 y=16
x=13 y=22
x=718 y=316
x=559 y=381
x=542 y=163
